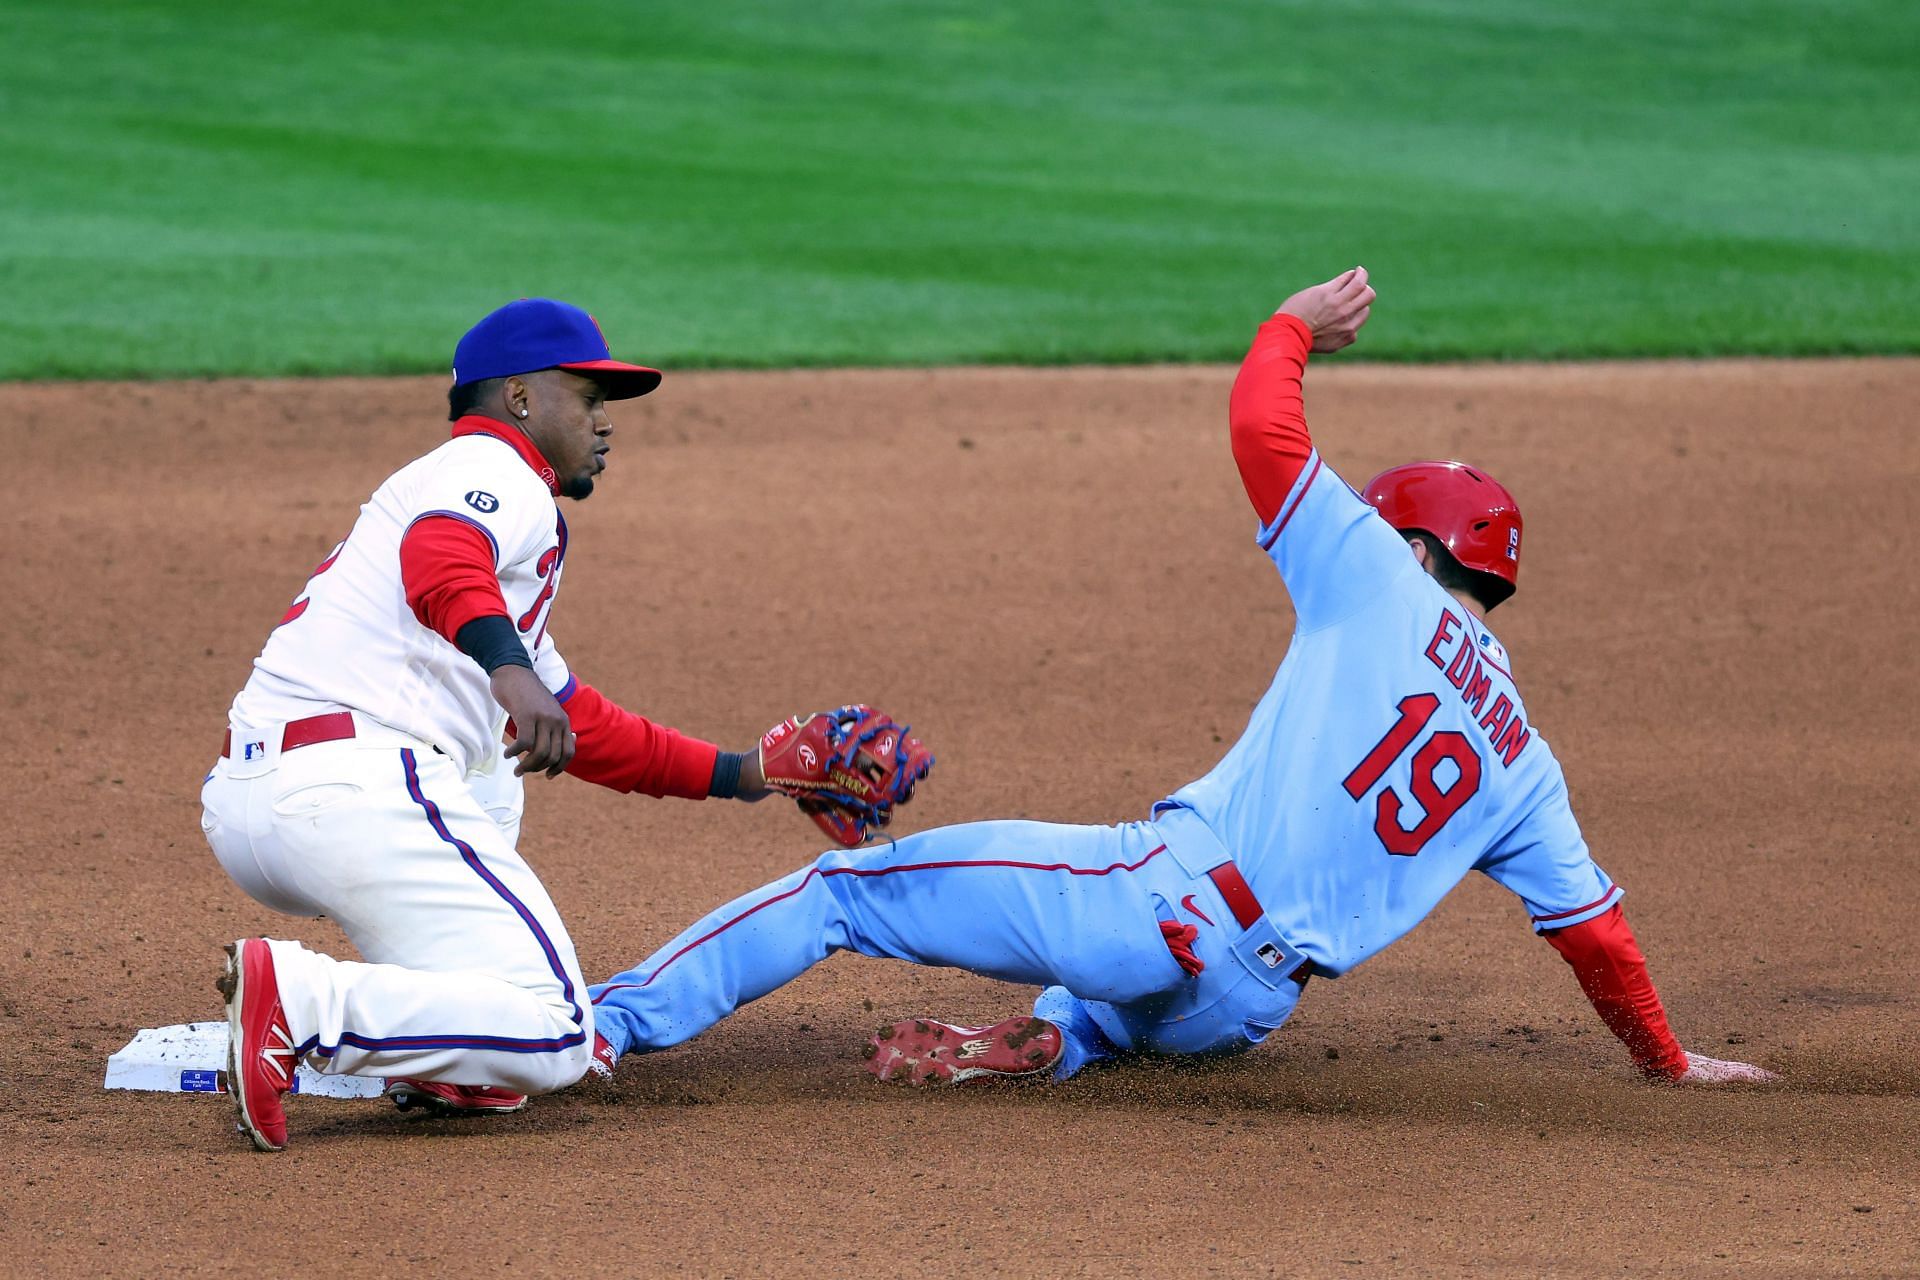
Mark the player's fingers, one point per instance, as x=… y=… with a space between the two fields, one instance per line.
x=539 y=752
x=569 y=743
x=556 y=747
x=522 y=744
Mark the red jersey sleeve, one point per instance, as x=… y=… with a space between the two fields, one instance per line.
x=1607 y=961
x=447 y=569
x=1267 y=415
x=615 y=748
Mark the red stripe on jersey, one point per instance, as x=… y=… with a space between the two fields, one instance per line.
x=1280 y=528
x=1574 y=911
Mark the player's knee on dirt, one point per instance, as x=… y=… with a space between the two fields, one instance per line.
x=538 y=1073
x=1245 y=1015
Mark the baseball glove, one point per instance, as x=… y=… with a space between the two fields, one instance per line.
x=847 y=768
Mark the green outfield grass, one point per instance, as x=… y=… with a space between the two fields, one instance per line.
x=277 y=187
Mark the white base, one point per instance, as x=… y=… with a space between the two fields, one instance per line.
x=192 y=1058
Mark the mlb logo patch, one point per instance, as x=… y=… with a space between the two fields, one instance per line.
x=1513 y=544
x=253 y=751
x=1272 y=955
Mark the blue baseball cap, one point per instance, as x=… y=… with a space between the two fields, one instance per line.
x=539 y=333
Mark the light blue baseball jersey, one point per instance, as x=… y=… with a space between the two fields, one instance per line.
x=1392 y=754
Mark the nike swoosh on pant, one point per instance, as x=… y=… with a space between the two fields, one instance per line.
x=1188 y=903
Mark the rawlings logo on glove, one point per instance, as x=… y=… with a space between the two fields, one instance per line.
x=847 y=768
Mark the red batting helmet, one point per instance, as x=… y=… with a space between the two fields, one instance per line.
x=1469 y=511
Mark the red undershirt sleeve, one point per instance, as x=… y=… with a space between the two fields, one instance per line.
x=447 y=570
x=1267 y=417
x=1607 y=961
x=615 y=748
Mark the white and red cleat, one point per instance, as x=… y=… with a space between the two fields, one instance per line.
x=260 y=1056
x=454 y=1099
x=600 y=1067
x=922 y=1051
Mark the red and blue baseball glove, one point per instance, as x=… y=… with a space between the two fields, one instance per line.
x=847 y=768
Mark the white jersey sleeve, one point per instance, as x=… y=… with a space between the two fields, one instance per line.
x=351 y=640
x=553 y=670
x=1333 y=550
x=1545 y=863
x=468 y=483
x=528 y=536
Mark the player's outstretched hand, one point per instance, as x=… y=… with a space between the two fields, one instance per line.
x=1334 y=310
x=1704 y=1071
x=542 y=737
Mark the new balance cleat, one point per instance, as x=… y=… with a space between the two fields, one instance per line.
x=260 y=1056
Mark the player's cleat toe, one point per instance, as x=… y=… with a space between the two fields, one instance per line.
x=260 y=1050
x=921 y=1051
x=454 y=1099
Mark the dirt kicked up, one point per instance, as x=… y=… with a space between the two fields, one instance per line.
x=1053 y=575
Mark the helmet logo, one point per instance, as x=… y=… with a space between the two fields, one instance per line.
x=1513 y=544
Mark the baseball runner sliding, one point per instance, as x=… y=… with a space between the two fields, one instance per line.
x=362 y=776
x=1392 y=755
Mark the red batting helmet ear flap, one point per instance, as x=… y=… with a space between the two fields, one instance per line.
x=1467 y=510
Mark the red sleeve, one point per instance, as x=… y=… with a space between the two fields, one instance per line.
x=615 y=748
x=1268 y=418
x=1613 y=973
x=446 y=567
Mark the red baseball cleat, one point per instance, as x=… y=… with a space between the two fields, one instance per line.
x=260 y=1056
x=454 y=1099
x=921 y=1051
x=601 y=1066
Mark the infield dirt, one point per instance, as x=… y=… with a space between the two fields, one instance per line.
x=1053 y=575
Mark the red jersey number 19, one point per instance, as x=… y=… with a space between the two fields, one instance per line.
x=1438 y=805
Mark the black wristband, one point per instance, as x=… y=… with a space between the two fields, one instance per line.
x=726 y=775
x=493 y=643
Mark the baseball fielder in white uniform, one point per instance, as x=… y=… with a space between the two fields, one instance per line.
x=362 y=777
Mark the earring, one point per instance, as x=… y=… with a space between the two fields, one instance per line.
x=523 y=413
